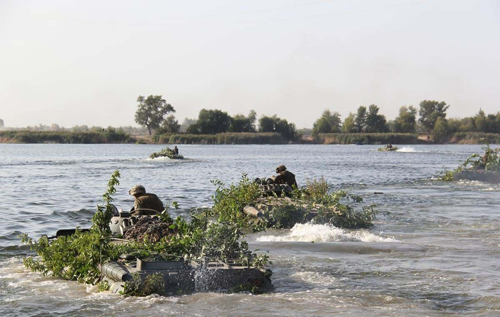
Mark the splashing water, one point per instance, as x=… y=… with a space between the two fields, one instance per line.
x=324 y=233
x=406 y=149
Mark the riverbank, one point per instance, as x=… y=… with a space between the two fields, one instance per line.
x=109 y=135
x=112 y=135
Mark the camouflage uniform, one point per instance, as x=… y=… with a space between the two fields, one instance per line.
x=147 y=204
x=288 y=178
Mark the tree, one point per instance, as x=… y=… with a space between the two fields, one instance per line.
x=430 y=111
x=212 y=121
x=170 y=125
x=328 y=123
x=360 y=120
x=480 y=121
x=406 y=121
x=266 y=124
x=374 y=122
x=441 y=130
x=151 y=111
x=348 y=126
x=80 y=128
x=55 y=127
x=1 y=123
x=186 y=124
x=281 y=126
x=193 y=129
x=240 y=123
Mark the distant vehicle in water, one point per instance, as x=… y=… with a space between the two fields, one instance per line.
x=388 y=148
x=168 y=152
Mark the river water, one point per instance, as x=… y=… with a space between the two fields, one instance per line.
x=435 y=253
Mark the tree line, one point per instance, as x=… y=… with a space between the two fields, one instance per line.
x=153 y=113
x=429 y=118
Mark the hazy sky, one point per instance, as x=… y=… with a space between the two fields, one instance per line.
x=86 y=62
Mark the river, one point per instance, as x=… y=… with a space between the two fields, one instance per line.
x=435 y=252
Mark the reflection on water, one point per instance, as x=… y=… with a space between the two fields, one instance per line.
x=434 y=253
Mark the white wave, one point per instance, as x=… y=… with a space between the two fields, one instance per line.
x=483 y=186
x=160 y=158
x=323 y=233
x=317 y=278
x=406 y=149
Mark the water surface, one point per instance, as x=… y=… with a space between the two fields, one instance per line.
x=436 y=252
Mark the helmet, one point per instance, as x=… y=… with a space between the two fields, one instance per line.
x=280 y=168
x=137 y=189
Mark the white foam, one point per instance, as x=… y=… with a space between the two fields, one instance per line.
x=160 y=158
x=323 y=233
x=406 y=149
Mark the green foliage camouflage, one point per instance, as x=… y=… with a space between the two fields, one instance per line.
x=315 y=202
x=166 y=152
x=78 y=256
x=387 y=149
x=489 y=161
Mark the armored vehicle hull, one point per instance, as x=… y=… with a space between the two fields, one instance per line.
x=184 y=277
x=478 y=175
x=167 y=152
x=179 y=277
x=174 y=277
x=387 y=149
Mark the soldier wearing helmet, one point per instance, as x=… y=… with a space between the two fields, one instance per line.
x=145 y=203
x=285 y=177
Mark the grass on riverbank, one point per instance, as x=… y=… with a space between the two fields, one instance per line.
x=111 y=135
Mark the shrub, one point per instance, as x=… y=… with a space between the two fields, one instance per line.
x=78 y=256
x=313 y=202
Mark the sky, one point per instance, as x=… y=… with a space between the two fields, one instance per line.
x=74 y=62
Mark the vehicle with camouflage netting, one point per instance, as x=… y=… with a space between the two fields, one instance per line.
x=167 y=152
x=484 y=168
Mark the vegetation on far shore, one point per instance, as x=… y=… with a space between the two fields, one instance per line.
x=111 y=135
x=108 y=135
x=214 y=126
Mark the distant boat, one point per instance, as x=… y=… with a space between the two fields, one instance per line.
x=167 y=152
x=388 y=149
x=358 y=143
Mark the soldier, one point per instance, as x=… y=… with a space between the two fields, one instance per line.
x=285 y=177
x=176 y=150
x=145 y=204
